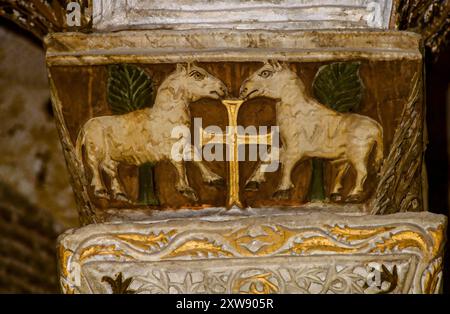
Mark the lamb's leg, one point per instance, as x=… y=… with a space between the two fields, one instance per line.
x=253 y=183
x=337 y=186
x=99 y=188
x=182 y=184
x=359 y=156
x=287 y=164
x=361 y=175
x=117 y=190
x=258 y=176
x=209 y=176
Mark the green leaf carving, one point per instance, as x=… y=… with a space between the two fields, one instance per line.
x=339 y=86
x=129 y=89
x=147 y=195
x=316 y=189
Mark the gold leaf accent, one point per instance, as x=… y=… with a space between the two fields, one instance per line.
x=431 y=279
x=96 y=250
x=319 y=243
x=197 y=248
x=275 y=238
x=67 y=289
x=64 y=256
x=262 y=279
x=438 y=236
x=147 y=241
x=402 y=240
x=356 y=234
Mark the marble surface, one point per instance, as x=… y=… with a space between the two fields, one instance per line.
x=238 y=14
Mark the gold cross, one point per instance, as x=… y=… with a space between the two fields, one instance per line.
x=233 y=139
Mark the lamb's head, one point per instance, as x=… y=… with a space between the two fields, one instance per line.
x=268 y=81
x=198 y=83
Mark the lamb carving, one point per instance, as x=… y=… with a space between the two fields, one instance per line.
x=310 y=129
x=144 y=135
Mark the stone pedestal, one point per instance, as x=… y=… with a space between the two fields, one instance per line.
x=273 y=252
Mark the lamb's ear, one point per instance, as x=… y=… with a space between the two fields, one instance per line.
x=181 y=67
x=275 y=64
x=190 y=65
x=285 y=65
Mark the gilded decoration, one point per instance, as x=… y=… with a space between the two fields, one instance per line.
x=262 y=238
x=173 y=205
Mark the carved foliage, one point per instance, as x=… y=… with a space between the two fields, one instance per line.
x=257 y=243
x=316 y=277
x=86 y=210
x=119 y=285
x=400 y=186
x=431 y=18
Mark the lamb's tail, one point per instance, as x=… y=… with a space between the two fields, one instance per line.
x=379 y=152
x=79 y=148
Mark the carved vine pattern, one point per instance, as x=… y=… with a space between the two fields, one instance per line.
x=86 y=210
x=270 y=240
x=400 y=185
x=303 y=279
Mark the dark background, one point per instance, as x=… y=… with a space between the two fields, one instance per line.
x=437 y=154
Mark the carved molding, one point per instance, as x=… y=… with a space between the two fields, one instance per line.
x=236 y=14
x=258 y=249
x=430 y=18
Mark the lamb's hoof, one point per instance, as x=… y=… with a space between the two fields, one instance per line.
x=219 y=182
x=336 y=197
x=189 y=193
x=281 y=195
x=101 y=193
x=121 y=197
x=252 y=186
x=354 y=198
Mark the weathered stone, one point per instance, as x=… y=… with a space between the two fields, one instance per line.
x=31 y=163
x=308 y=252
x=350 y=112
x=237 y=14
x=352 y=144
